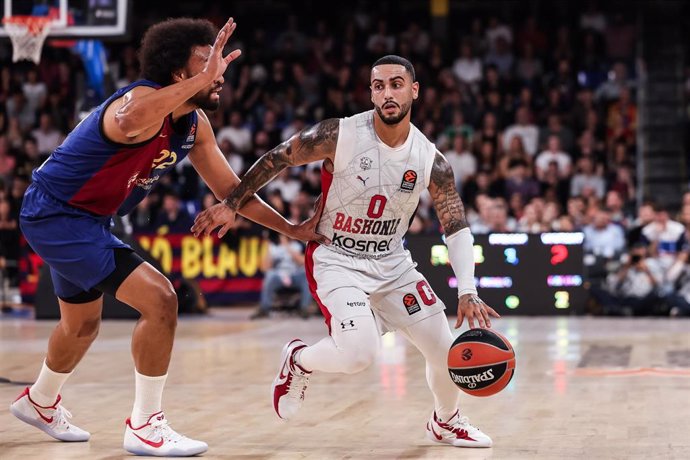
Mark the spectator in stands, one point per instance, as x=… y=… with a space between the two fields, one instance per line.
x=602 y=237
x=173 y=214
x=520 y=181
x=498 y=219
x=622 y=124
x=554 y=127
x=35 y=91
x=615 y=204
x=18 y=107
x=462 y=161
x=502 y=57
x=467 y=68
x=586 y=181
x=611 y=89
x=645 y=216
x=239 y=135
x=479 y=218
x=666 y=236
x=553 y=153
x=495 y=31
x=633 y=288
x=679 y=275
x=515 y=151
x=7 y=160
x=283 y=267
x=530 y=222
x=9 y=243
x=46 y=135
x=525 y=130
x=554 y=186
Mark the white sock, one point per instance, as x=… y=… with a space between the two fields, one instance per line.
x=147 y=397
x=433 y=338
x=47 y=387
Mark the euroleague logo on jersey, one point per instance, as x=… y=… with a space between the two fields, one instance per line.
x=409 y=180
x=411 y=304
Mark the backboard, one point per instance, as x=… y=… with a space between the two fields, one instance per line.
x=74 y=18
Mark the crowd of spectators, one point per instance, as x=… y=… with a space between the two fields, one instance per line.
x=537 y=119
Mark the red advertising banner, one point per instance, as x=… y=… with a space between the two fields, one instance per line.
x=227 y=273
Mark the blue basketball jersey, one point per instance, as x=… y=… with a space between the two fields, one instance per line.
x=92 y=173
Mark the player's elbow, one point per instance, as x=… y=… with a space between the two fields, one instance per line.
x=127 y=124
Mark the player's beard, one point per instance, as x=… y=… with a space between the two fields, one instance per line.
x=204 y=102
x=394 y=119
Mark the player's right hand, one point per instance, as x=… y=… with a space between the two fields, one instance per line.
x=215 y=216
x=217 y=63
x=470 y=306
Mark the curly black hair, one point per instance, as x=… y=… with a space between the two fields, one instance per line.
x=167 y=46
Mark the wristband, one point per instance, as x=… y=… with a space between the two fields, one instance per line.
x=461 y=256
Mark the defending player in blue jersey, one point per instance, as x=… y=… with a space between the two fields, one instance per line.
x=105 y=166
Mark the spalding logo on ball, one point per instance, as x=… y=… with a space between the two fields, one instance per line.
x=481 y=362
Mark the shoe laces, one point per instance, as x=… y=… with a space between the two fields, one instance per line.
x=162 y=428
x=460 y=426
x=62 y=415
x=298 y=383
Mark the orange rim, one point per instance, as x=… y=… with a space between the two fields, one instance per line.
x=35 y=24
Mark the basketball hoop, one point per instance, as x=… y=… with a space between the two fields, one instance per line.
x=27 y=34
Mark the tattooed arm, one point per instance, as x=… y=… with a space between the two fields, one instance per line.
x=313 y=144
x=449 y=208
x=451 y=214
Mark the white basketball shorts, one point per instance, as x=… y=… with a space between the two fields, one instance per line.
x=346 y=287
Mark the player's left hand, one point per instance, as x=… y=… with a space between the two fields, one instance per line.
x=470 y=306
x=217 y=215
x=306 y=231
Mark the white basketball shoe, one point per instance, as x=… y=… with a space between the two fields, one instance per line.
x=156 y=438
x=52 y=420
x=457 y=432
x=291 y=382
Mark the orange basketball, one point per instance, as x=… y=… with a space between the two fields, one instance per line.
x=481 y=362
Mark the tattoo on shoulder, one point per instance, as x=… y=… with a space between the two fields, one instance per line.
x=323 y=135
x=448 y=204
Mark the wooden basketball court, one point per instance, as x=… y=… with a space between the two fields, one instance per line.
x=584 y=388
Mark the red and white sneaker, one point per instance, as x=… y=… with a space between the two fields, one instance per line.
x=291 y=382
x=156 y=438
x=52 y=420
x=457 y=432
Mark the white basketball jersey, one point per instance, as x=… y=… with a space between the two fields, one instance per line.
x=374 y=189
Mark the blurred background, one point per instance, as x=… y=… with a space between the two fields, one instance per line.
x=565 y=124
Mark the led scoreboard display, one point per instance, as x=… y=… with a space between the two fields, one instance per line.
x=515 y=273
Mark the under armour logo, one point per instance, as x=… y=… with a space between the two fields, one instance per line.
x=346 y=324
x=364 y=181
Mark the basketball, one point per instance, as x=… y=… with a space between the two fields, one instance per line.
x=481 y=362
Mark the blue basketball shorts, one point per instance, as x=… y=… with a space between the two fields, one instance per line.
x=77 y=245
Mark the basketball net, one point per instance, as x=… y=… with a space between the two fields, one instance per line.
x=27 y=34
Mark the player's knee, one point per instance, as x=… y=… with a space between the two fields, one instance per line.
x=85 y=330
x=165 y=309
x=359 y=360
x=89 y=329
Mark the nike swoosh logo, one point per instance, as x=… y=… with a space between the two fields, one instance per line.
x=45 y=419
x=282 y=376
x=163 y=135
x=155 y=445
x=438 y=436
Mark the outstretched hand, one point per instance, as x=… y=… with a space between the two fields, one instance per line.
x=217 y=63
x=306 y=231
x=470 y=306
x=215 y=216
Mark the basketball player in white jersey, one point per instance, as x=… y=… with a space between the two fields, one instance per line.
x=375 y=166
